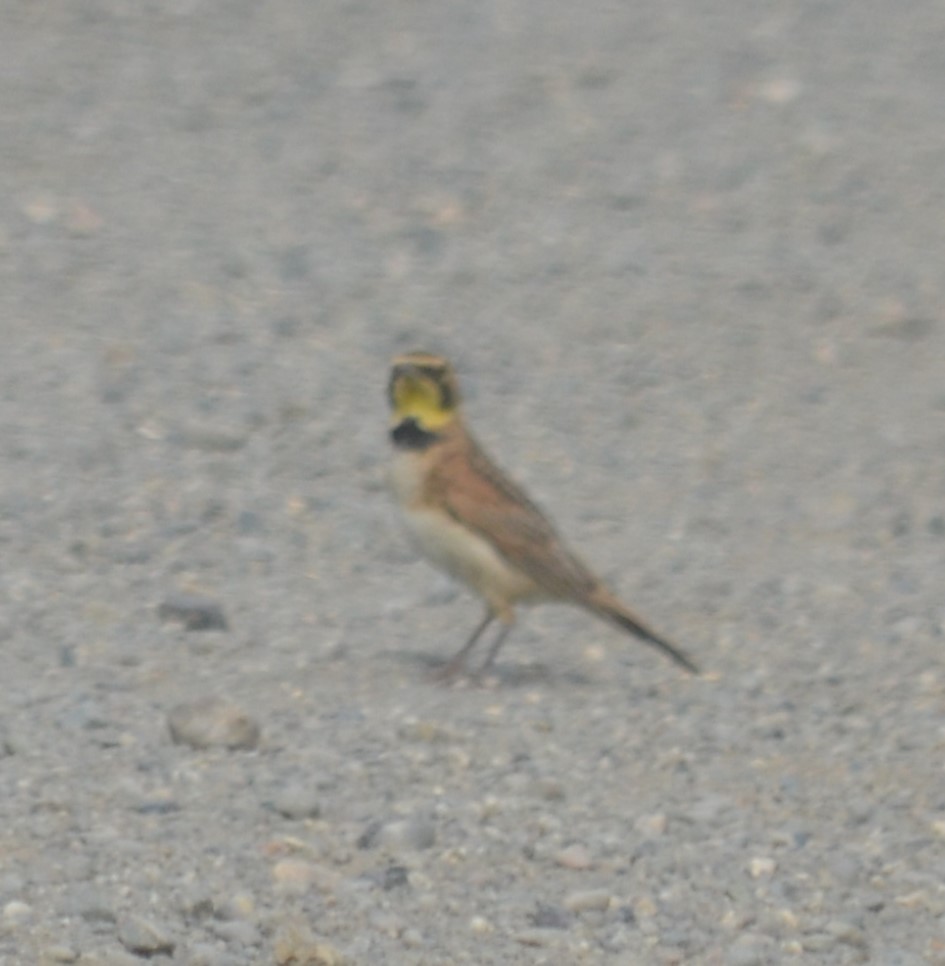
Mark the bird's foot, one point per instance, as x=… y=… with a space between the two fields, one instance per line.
x=449 y=673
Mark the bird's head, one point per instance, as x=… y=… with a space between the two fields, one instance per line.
x=424 y=396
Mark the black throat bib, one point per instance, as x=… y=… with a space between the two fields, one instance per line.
x=409 y=434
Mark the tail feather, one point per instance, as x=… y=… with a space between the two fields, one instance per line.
x=612 y=610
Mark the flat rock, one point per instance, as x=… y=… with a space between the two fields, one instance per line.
x=194 y=611
x=144 y=936
x=213 y=723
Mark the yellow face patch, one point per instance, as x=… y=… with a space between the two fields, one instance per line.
x=418 y=396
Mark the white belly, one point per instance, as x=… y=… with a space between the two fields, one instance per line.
x=467 y=557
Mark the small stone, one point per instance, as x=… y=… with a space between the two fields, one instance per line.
x=241 y=905
x=480 y=926
x=212 y=723
x=298 y=801
x=58 y=954
x=761 y=866
x=846 y=932
x=195 y=612
x=780 y=90
x=41 y=208
x=294 y=876
x=549 y=916
x=588 y=900
x=144 y=936
x=394 y=877
x=238 y=932
x=91 y=904
x=194 y=902
x=550 y=789
x=651 y=826
x=644 y=908
x=917 y=899
x=414 y=833
x=575 y=857
x=296 y=946
x=818 y=942
x=16 y=912
x=537 y=937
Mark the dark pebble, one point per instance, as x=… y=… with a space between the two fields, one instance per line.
x=196 y=613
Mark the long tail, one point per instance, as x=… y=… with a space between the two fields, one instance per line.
x=605 y=605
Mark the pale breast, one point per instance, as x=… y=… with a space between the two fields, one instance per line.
x=406 y=477
x=468 y=557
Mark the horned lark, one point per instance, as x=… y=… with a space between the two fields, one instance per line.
x=471 y=520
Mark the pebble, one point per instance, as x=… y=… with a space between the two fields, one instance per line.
x=58 y=954
x=818 y=942
x=762 y=866
x=644 y=908
x=195 y=903
x=41 y=208
x=550 y=916
x=588 y=900
x=237 y=932
x=211 y=722
x=294 y=876
x=298 y=801
x=91 y=904
x=194 y=611
x=296 y=945
x=16 y=912
x=241 y=905
x=538 y=937
x=574 y=857
x=390 y=877
x=846 y=932
x=414 y=833
x=144 y=936
x=550 y=789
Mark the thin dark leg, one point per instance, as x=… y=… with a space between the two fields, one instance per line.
x=496 y=644
x=455 y=665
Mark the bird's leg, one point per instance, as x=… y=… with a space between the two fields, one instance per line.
x=453 y=667
x=496 y=645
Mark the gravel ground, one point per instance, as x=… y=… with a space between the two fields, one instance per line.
x=688 y=260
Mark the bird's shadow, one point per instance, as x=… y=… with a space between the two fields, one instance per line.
x=501 y=675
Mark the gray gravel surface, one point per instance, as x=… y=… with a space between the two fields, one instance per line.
x=688 y=258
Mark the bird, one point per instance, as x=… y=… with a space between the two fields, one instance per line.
x=472 y=521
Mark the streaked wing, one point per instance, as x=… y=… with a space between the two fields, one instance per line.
x=486 y=501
